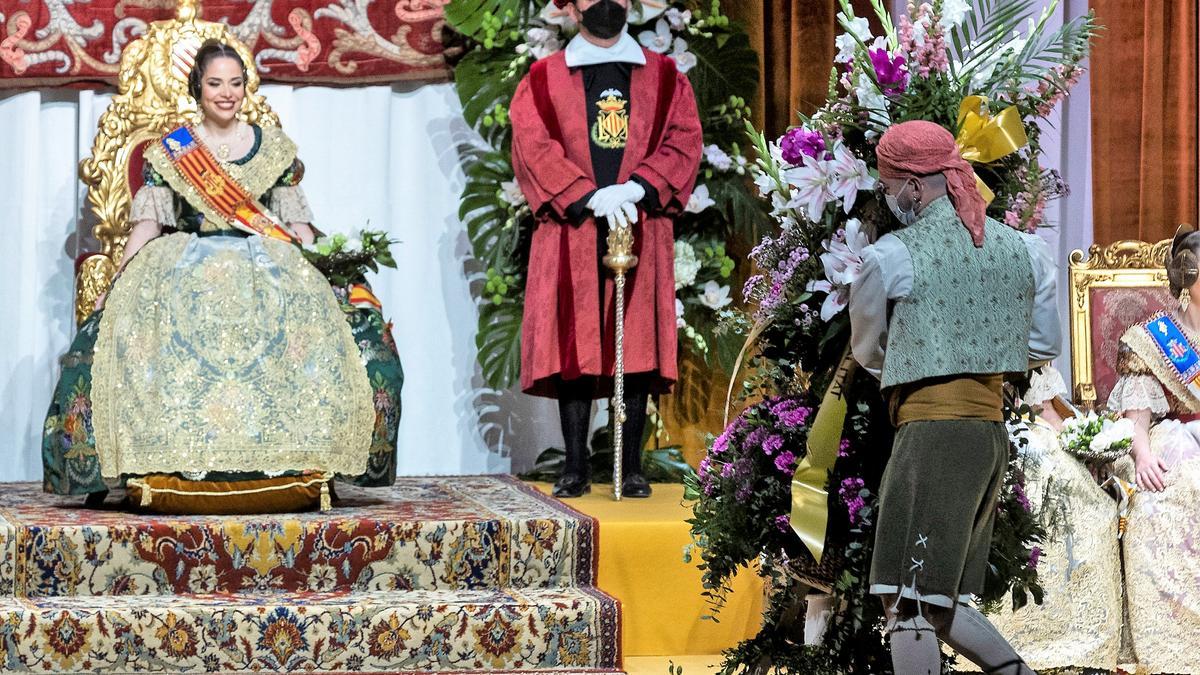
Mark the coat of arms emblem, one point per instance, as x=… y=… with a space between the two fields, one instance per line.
x=611 y=129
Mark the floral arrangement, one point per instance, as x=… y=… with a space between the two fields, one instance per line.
x=503 y=39
x=982 y=69
x=345 y=259
x=1097 y=438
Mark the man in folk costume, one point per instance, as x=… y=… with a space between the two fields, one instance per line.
x=604 y=133
x=941 y=311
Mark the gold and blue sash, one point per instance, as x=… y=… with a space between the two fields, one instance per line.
x=1175 y=351
x=219 y=192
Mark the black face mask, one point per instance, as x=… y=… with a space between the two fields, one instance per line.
x=605 y=19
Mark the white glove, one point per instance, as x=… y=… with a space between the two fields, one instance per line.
x=625 y=215
x=607 y=200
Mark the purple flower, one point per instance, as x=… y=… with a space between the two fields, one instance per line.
x=783 y=523
x=1022 y=499
x=849 y=492
x=889 y=71
x=844 y=448
x=773 y=443
x=786 y=462
x=1035 y=554
x=798 y=142
x=754 y=439
x=721 y=444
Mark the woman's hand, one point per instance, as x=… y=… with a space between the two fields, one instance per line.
x=1150 y=471
x=304 y=231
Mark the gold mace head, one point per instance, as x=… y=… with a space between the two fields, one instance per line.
x=620 y=257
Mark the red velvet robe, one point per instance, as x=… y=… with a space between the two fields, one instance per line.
x=560 y=335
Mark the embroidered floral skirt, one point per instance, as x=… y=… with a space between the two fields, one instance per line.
x=226 y=355
x=937 y=507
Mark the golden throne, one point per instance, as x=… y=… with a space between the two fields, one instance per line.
x=1114 y=287
x=151 y=99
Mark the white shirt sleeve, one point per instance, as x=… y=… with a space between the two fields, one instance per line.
x=1045 y=337
x=886 y=275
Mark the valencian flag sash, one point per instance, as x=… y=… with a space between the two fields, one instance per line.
x=192 y=159
x=362 y=297
x=1177 y=351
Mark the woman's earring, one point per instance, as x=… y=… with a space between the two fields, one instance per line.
x=1185 y=299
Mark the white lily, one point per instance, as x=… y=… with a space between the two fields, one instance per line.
x=684 y=60
x=846 y=43
x=658 y=40
x=954 y=12
x=714 y=296
x=699 y=200
x=718 y=158
x=512 y=193
x=850 y=175
x=811 y=180
x=679 y=19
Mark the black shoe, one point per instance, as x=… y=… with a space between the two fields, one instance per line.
x=571 y=485
x=95 y=500
x=636 y=486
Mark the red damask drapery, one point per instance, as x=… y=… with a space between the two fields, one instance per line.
x=55 y=42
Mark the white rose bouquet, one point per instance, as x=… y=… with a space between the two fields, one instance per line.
x=1096 y=438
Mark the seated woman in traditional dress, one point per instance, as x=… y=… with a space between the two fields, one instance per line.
x=1158 y=362
x=1078 y=624
x=220 y=352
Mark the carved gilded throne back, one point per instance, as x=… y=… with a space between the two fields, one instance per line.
x=151 y=99
x=1114 y=287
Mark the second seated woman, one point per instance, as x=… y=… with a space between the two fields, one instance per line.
x=220 y=352
x=1158 y=362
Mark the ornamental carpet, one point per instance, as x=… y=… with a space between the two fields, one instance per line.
x=445 y=574
x=641 y=565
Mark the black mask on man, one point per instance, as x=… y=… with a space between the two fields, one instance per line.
x=605 y=19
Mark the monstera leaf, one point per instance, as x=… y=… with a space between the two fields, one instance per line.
x=470 y=17
x=479 y=79
x=484 y=213
x=499 y=343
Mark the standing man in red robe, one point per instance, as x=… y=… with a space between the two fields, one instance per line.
x=604 y=132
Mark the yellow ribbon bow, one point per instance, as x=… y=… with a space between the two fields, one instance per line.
x=810 y=494
x=983 y=138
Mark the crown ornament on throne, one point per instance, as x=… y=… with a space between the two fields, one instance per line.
x=152 y=98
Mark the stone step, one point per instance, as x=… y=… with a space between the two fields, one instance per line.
x=437 y=533
x=560 y=631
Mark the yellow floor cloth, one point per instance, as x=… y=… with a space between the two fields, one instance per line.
x=641 y=564
x=661 y=665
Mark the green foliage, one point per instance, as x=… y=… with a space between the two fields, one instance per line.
x=484 y=19
x=723 y=70
x=499 y=342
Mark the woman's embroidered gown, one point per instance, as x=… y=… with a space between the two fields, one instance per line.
x=224 y=355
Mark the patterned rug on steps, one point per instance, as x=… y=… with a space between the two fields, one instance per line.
x=445 y=574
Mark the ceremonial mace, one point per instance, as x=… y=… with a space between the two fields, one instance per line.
x=619 y=259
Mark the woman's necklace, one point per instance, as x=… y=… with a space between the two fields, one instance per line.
x=223 y=149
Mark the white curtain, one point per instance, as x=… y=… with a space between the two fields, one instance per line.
x=379 y=157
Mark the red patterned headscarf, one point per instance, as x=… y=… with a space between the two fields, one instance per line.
x=561 y=3
x=918 y=148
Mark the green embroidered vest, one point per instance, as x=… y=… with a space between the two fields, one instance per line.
x=970 y=310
